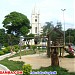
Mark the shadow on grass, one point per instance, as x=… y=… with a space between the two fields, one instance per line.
x=69 y=56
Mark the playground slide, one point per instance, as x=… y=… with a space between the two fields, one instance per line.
x=70 y=52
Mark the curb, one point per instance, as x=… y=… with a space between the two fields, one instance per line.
x=5 y=69
x=6 y=55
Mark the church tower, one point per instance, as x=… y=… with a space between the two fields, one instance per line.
x=35 y=22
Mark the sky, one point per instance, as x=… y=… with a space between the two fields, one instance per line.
x=50 y=10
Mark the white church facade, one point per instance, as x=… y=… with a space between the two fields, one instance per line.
x=35 y=23
x=36 y=27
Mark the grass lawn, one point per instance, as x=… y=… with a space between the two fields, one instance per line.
x=60 y=70
x=12 y=65
x=27 y=52
x=15 y=65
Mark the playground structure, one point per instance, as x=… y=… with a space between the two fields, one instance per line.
x=57 y=42
x=54 y=44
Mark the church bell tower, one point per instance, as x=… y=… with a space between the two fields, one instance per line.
x=35 y=22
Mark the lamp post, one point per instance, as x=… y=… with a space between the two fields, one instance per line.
x=64 y=24
x=69 y=36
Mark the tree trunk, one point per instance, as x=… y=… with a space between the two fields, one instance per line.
x=54 y=59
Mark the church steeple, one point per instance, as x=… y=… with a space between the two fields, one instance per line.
x=35 y=21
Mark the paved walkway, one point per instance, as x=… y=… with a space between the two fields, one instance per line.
x=6 y=55
x=37 y=61
x=2 y=67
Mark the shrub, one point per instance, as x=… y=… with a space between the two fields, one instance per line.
x=23 y=47
x=27 y=69
x=5 y=44
x=5 y=50
x=33 y=47
x=8 y=48
x=16 y=50
x=16 y=46
x=1 y=52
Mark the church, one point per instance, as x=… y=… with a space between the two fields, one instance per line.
x=35 y=24
x=36 y=27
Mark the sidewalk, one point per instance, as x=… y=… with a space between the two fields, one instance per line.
x=6 y=55
x=2 y=67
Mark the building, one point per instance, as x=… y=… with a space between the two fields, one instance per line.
x=35 y=23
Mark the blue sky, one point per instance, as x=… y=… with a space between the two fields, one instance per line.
x=50 y=10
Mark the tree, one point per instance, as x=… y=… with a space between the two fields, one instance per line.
x=17 y=23
x=47 y=28
x=59 y=26
x=2 y=32
x=70 y=35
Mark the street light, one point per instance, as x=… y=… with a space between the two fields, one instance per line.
x=64 y=24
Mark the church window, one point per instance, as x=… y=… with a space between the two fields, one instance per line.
x=35 y=20
x=35 y=29
x=35 y=16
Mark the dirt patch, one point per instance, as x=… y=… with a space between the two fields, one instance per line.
x=42 y=60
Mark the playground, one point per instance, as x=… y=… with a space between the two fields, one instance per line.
x=41 y=60
x=51 y=57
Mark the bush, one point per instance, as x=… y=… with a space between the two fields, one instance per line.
x=5 y=50
x=16 y=50
x=27 y=69
x=1 y=52
x=23 y=47
x=33 y=47
x=8 y=48
x=5 y=44
x=16 y=47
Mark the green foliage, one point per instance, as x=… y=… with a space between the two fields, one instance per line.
x=70 y=35
x=59 y=70
x=13 y=39
x=23 y=47
x=31 y=35
x=5 y=50
x=27 y=69
x=70 y=56
x=1 y=52
x=24 y=30
x=33 y=47
x=8 y=48
x=47 y=28
x=7 y=39
x=27 y=52
x=59 y=26
x=16 y=50
x=16 y=47
x=12 y=65
x=3 y=37
x=5 y=44
x=16 y=22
